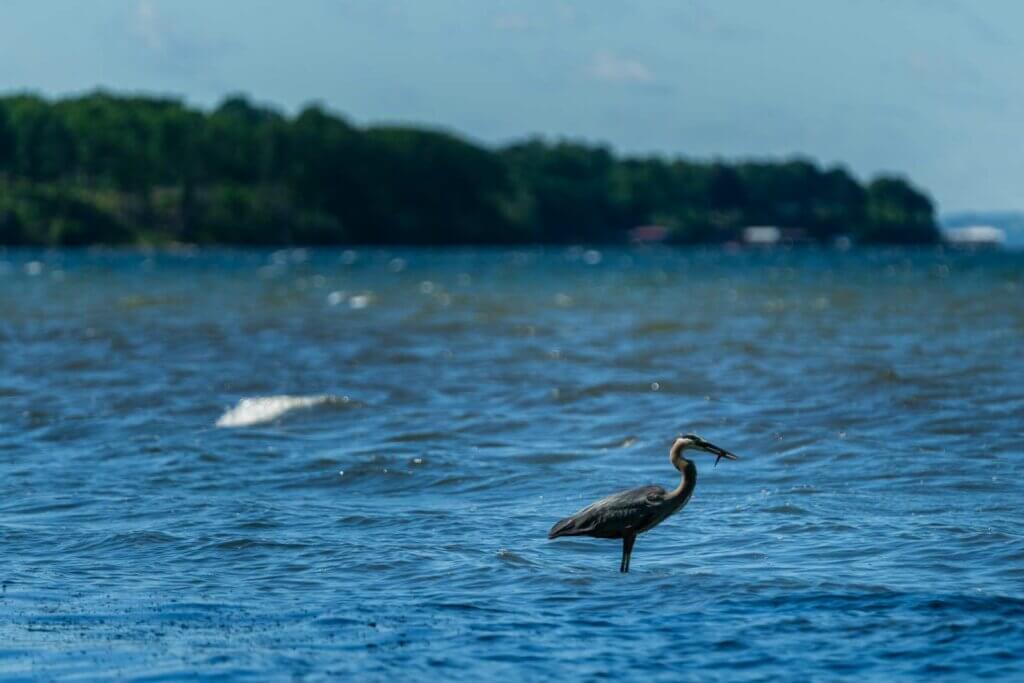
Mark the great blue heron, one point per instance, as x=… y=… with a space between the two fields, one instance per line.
x=626 y=514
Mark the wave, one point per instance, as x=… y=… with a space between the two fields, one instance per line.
x=262 y=409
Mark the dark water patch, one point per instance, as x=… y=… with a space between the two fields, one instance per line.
x=547 y=458
x=786 y=509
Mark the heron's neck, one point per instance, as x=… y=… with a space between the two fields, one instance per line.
x=687 y=481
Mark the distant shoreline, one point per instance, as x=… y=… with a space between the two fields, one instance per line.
x=118 y=170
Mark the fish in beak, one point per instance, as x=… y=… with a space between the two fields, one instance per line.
x=708 y=447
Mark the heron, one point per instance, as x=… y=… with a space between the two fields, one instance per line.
x=629 y=513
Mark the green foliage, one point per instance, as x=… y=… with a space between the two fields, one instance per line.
x=897 y=214
x=44 y=147
x=796 y=193
x=426 y=187
x=103 y=168
x=7 y=142
x=38 y=215
x=570 y=186
x=242 y=143
x=261 y=215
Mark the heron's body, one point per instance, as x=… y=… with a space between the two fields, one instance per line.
x=630 y=513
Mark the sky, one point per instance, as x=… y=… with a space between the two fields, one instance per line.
x=929 y=89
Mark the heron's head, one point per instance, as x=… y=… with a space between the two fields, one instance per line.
x=694 y=442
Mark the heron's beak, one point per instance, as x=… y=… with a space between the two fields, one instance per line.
x=716 y=451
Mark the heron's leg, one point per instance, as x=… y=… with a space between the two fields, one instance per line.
x=628 y=539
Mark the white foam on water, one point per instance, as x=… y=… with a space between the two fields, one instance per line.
x=261 y=409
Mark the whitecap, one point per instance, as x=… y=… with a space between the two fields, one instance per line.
x=360 y=301
x=260 y=409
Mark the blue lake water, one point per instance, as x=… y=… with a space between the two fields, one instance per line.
x=314 y=464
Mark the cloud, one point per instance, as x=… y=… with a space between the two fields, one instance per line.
x=611 y=68
x=147 y=27
x=171 y=44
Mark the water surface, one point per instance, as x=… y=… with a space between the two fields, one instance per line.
x=308 y=464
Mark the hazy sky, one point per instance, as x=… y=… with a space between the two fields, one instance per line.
x=929 y=88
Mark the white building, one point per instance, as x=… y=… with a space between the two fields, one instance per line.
x=976 y=236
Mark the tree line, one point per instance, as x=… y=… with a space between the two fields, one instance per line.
x=109 y=169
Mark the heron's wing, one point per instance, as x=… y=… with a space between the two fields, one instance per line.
x=610 y=516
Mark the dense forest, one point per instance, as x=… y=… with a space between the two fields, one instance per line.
x=107 y=169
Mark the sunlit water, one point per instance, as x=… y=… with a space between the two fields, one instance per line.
x=319 y=463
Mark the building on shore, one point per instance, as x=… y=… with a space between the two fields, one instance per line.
x=771 y=235
x=975 y=236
